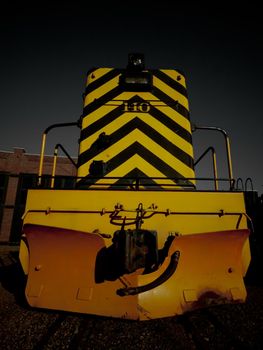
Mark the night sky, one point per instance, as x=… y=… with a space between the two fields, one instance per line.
x=47 y=48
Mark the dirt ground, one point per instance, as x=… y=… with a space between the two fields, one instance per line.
x=237 y=326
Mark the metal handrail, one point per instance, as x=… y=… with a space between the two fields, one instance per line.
x=43 y=144
x=228 y=152
x=251 y=183
x=239 y=180
x=214 y=164
x=166 y=213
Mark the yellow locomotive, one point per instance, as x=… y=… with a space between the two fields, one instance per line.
x=135 y=238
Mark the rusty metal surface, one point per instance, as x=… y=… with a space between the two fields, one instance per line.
x=237 y=326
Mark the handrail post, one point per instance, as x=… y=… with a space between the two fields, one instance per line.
x=58 y=145
x=54 y=167
x=229 y=159
x=41 y=161
x=215 y=168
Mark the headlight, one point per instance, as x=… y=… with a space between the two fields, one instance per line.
x=135 y=78
x=137 y=81
x=135 y=61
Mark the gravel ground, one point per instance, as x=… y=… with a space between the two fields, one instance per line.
x=237 y=326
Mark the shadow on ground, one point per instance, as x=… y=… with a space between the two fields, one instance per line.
x=12 y=277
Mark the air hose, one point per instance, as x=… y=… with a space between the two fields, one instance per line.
x=170 y=270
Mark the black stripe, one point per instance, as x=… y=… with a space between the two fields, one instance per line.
x=102 y=80
x=170 y=82
x=118 y=90
x=170 y=102
x=148 y=156
x=154 y=112
x=171 y=124
x=133 y=175
x=102 y=122
x=137 y=123
x=109 y=96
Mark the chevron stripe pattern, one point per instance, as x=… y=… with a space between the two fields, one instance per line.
x=136 y=135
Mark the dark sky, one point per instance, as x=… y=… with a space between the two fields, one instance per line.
x=47 y=48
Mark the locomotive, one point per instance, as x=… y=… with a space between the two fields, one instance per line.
x=134 y=237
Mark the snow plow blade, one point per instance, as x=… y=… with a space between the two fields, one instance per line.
x=198 y=270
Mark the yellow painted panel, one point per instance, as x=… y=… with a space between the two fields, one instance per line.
x=141 y=164
x=172 y=73
x=123 y=119
x=102 y=90
x=98 y=73
x=63 y=262
x=104 y=110
x=175 y=95
x=149 y=144
x=217 y=259
x=179 y=201
x=209 y=270
x=148 y=97
x=24 y=256
x=117 y=101
x=64 y=279
x=98 y=114
x=171 y=113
